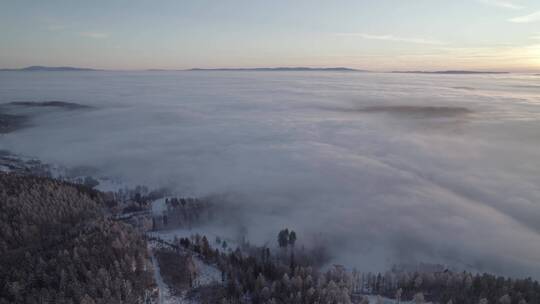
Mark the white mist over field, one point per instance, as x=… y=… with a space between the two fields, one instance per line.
x=387 y=168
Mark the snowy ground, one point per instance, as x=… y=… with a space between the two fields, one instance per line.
x=163 y=289
x=207 y=275
x=165 y=296
x=373 y=299
x=158 y=206
x=111 y=185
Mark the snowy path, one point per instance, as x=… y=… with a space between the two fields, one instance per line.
x=373 y=299
x=159 y=280
x=164 y=295
x=207 y=274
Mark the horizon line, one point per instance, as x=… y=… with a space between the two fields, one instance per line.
x=37 y=68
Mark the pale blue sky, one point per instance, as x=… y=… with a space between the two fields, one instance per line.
x=376 y=35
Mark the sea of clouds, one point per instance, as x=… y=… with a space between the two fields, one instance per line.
x=386 y=168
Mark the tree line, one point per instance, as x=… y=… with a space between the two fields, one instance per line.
x=260 y=275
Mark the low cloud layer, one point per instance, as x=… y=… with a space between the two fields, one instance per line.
x=95 y=35
x=503 y=4
x=419 y=111
x=534 y=17
x=457 y=184
x=393 y=38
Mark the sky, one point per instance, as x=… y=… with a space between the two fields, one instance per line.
x=376 y=35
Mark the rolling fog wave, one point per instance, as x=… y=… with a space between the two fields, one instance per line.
x=446 y=175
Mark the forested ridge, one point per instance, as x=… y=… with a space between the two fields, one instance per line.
x=61 y=243
x=58 y=246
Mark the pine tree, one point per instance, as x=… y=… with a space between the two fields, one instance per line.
x=283 y=238
x=292 y=238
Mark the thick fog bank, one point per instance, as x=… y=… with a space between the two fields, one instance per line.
x=386 y=168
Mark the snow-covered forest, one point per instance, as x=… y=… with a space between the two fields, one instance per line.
x=58 y=246
x=65 y=242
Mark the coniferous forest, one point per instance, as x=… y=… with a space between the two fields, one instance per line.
x=58 y=246
x=66 y=243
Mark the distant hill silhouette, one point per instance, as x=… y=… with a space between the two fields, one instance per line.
x=57 y=104
x=37 y=68
x=451 y=72
x=284 y=69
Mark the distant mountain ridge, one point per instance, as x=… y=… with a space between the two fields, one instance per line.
x=450 y=72
x=284 y=69
x=38 y=68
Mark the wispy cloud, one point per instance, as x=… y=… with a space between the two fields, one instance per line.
x=95 y=35
x=534 y=17
x=502 y=4
x=55 y=27
x=394 y=38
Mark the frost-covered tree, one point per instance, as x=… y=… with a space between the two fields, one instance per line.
x=59 y=246
x=292 y=238
x=399 y=292
x=505 y=299
x=419 y=298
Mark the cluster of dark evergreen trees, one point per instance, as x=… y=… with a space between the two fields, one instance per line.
x=56 y=246
x=451 y=287
x=134 y=200
x=184 y=213
x=286 y=238
x=255 y=275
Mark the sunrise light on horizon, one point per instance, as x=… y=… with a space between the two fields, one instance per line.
x=381 y=36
